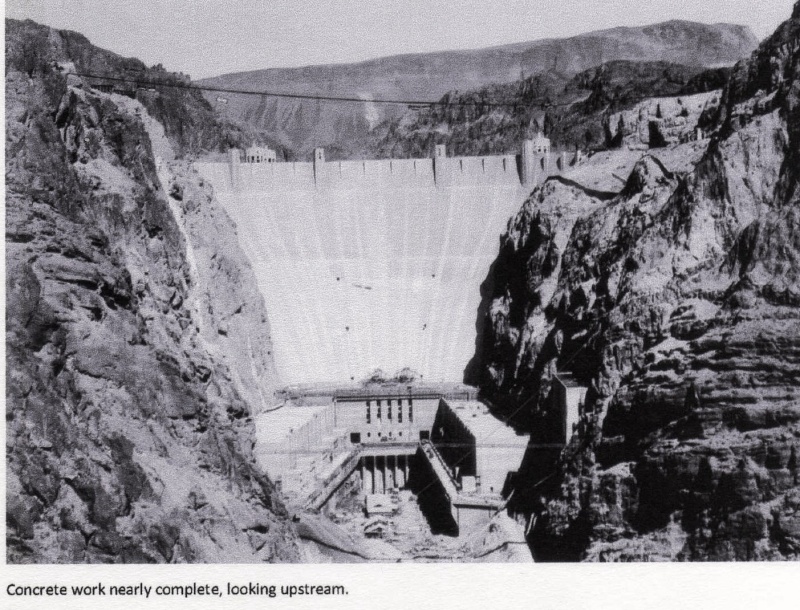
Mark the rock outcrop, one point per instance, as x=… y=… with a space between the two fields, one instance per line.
x=137 y=346
x=601 y=107
x=677 y=303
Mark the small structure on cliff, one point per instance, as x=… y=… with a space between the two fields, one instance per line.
x=541 y=145
x=260 y=154
x=567 y=399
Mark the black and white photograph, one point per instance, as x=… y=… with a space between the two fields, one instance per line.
x=401 y=283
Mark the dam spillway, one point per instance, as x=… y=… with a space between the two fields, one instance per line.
x=370 y=264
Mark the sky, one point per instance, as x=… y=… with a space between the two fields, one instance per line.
x=204 y=38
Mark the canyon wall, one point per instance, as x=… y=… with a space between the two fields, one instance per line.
x=676 y=303
x=130 y=380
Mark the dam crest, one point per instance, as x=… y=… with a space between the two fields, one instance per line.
x=256 y=168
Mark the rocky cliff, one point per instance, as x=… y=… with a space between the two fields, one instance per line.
x=137 y=346
x=579 y=112
x=676 y=302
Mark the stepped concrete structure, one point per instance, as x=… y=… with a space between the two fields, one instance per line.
x=455 y=452
x=375 y=264
x=481 y=450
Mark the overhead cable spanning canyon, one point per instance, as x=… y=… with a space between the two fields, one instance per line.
x=544 y=308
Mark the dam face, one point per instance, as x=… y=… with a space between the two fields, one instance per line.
x=370 y=264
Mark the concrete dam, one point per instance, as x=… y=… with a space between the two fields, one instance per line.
x=374 y=264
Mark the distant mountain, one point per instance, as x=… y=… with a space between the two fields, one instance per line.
x=343 y=127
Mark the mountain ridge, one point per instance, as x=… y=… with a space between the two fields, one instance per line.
x=744 y=30
x=343 y=128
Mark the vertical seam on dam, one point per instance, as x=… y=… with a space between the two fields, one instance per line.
x=400 y=249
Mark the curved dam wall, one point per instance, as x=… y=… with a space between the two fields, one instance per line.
x=367 y=264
